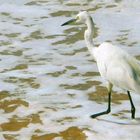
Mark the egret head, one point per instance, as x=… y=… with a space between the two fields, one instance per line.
x=82 y=17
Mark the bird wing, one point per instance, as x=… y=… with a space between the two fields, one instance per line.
x=118 y=67
x=135 y=68
x=125 y=72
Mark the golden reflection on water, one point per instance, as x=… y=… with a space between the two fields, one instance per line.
x=16 y=123
x=72 y=133
x=63 y=13
x=11 y=105
x=83 y=86
x=101 y=95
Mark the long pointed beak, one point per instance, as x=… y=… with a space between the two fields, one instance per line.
x=68 y=22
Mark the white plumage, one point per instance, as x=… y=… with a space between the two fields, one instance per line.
x=114 y=64
x=117 y=67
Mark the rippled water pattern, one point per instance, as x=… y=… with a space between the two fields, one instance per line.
x=49 y=83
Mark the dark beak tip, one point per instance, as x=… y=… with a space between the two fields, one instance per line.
x=63 y=24
x=68 y=22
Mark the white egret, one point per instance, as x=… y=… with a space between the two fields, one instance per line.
x=114 y=64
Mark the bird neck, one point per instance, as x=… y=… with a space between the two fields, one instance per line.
x=89 y=34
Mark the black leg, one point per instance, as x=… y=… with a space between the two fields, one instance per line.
x=108 y=109
x=132 y=106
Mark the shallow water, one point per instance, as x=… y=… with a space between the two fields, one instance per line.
x=49 y=83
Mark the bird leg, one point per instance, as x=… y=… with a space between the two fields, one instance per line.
x=132 y=106
x=108 y=109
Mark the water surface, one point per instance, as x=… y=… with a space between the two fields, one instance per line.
x=49 y=83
